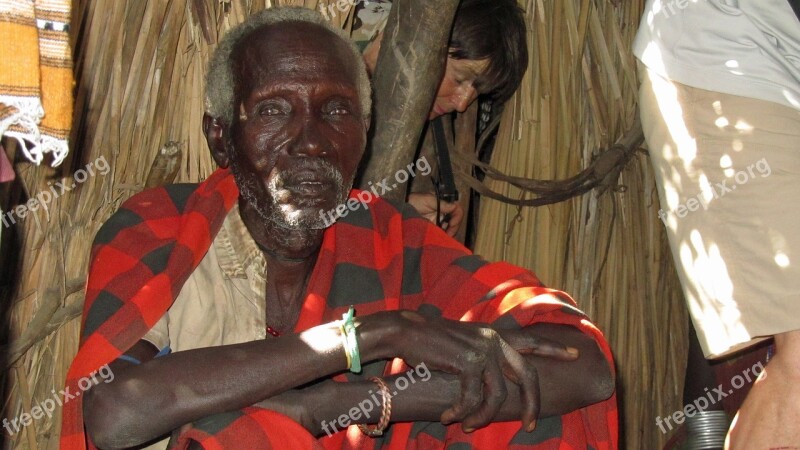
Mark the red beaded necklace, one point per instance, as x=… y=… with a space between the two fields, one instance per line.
x=273 y=332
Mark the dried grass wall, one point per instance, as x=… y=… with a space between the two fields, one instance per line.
x=607 y=248
x=139 y=67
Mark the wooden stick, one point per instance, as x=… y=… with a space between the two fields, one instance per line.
x=409 y=68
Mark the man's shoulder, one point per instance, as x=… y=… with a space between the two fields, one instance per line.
x=155 y=204
x=175 y=195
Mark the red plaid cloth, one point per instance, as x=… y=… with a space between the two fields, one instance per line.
x=146 y=251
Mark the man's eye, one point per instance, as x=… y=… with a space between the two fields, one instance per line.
x=269 y=110
x=338 y=110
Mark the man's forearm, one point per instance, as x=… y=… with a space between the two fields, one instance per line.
x=186 y=386
x=421 y=395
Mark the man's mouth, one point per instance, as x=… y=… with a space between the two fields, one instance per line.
x=308 y=187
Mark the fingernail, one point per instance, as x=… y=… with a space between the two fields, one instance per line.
x=531 y=426
x=469 y=430
x=572 y=351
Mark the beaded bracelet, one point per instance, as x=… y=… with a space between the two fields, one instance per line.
x=386 y=414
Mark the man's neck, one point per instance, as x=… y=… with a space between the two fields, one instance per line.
x=282 y=246
x=290 y=255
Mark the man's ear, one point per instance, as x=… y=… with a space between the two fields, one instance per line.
x=215 y=130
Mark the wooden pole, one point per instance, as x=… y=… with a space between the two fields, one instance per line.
x=409 y=68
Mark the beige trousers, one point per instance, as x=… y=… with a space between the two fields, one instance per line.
x=728 y=175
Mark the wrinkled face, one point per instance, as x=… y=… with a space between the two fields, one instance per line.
x=300 y=132
x=457 y=90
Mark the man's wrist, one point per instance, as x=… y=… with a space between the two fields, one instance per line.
x=320 y=405
x=377 y=334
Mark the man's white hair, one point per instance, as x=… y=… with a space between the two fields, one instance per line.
x=220 y=79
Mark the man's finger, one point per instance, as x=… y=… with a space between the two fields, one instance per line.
x=494 y=394
x=528 y=381
x=526 y=342
x=552 y=349
x=469 y=398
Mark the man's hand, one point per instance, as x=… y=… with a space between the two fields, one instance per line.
x=425 y=204
x=480 y=357
x=567 y=382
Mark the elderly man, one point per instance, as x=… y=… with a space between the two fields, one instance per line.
x=216 y=304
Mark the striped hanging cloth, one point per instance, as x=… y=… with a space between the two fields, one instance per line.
x=36 y=85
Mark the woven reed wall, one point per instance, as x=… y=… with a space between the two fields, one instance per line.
x=139 y=67
x=607 y=248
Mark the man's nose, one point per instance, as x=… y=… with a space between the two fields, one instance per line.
x=465 y=98
x=309 y=139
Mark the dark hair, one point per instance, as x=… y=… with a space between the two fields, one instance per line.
x=493 y=30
